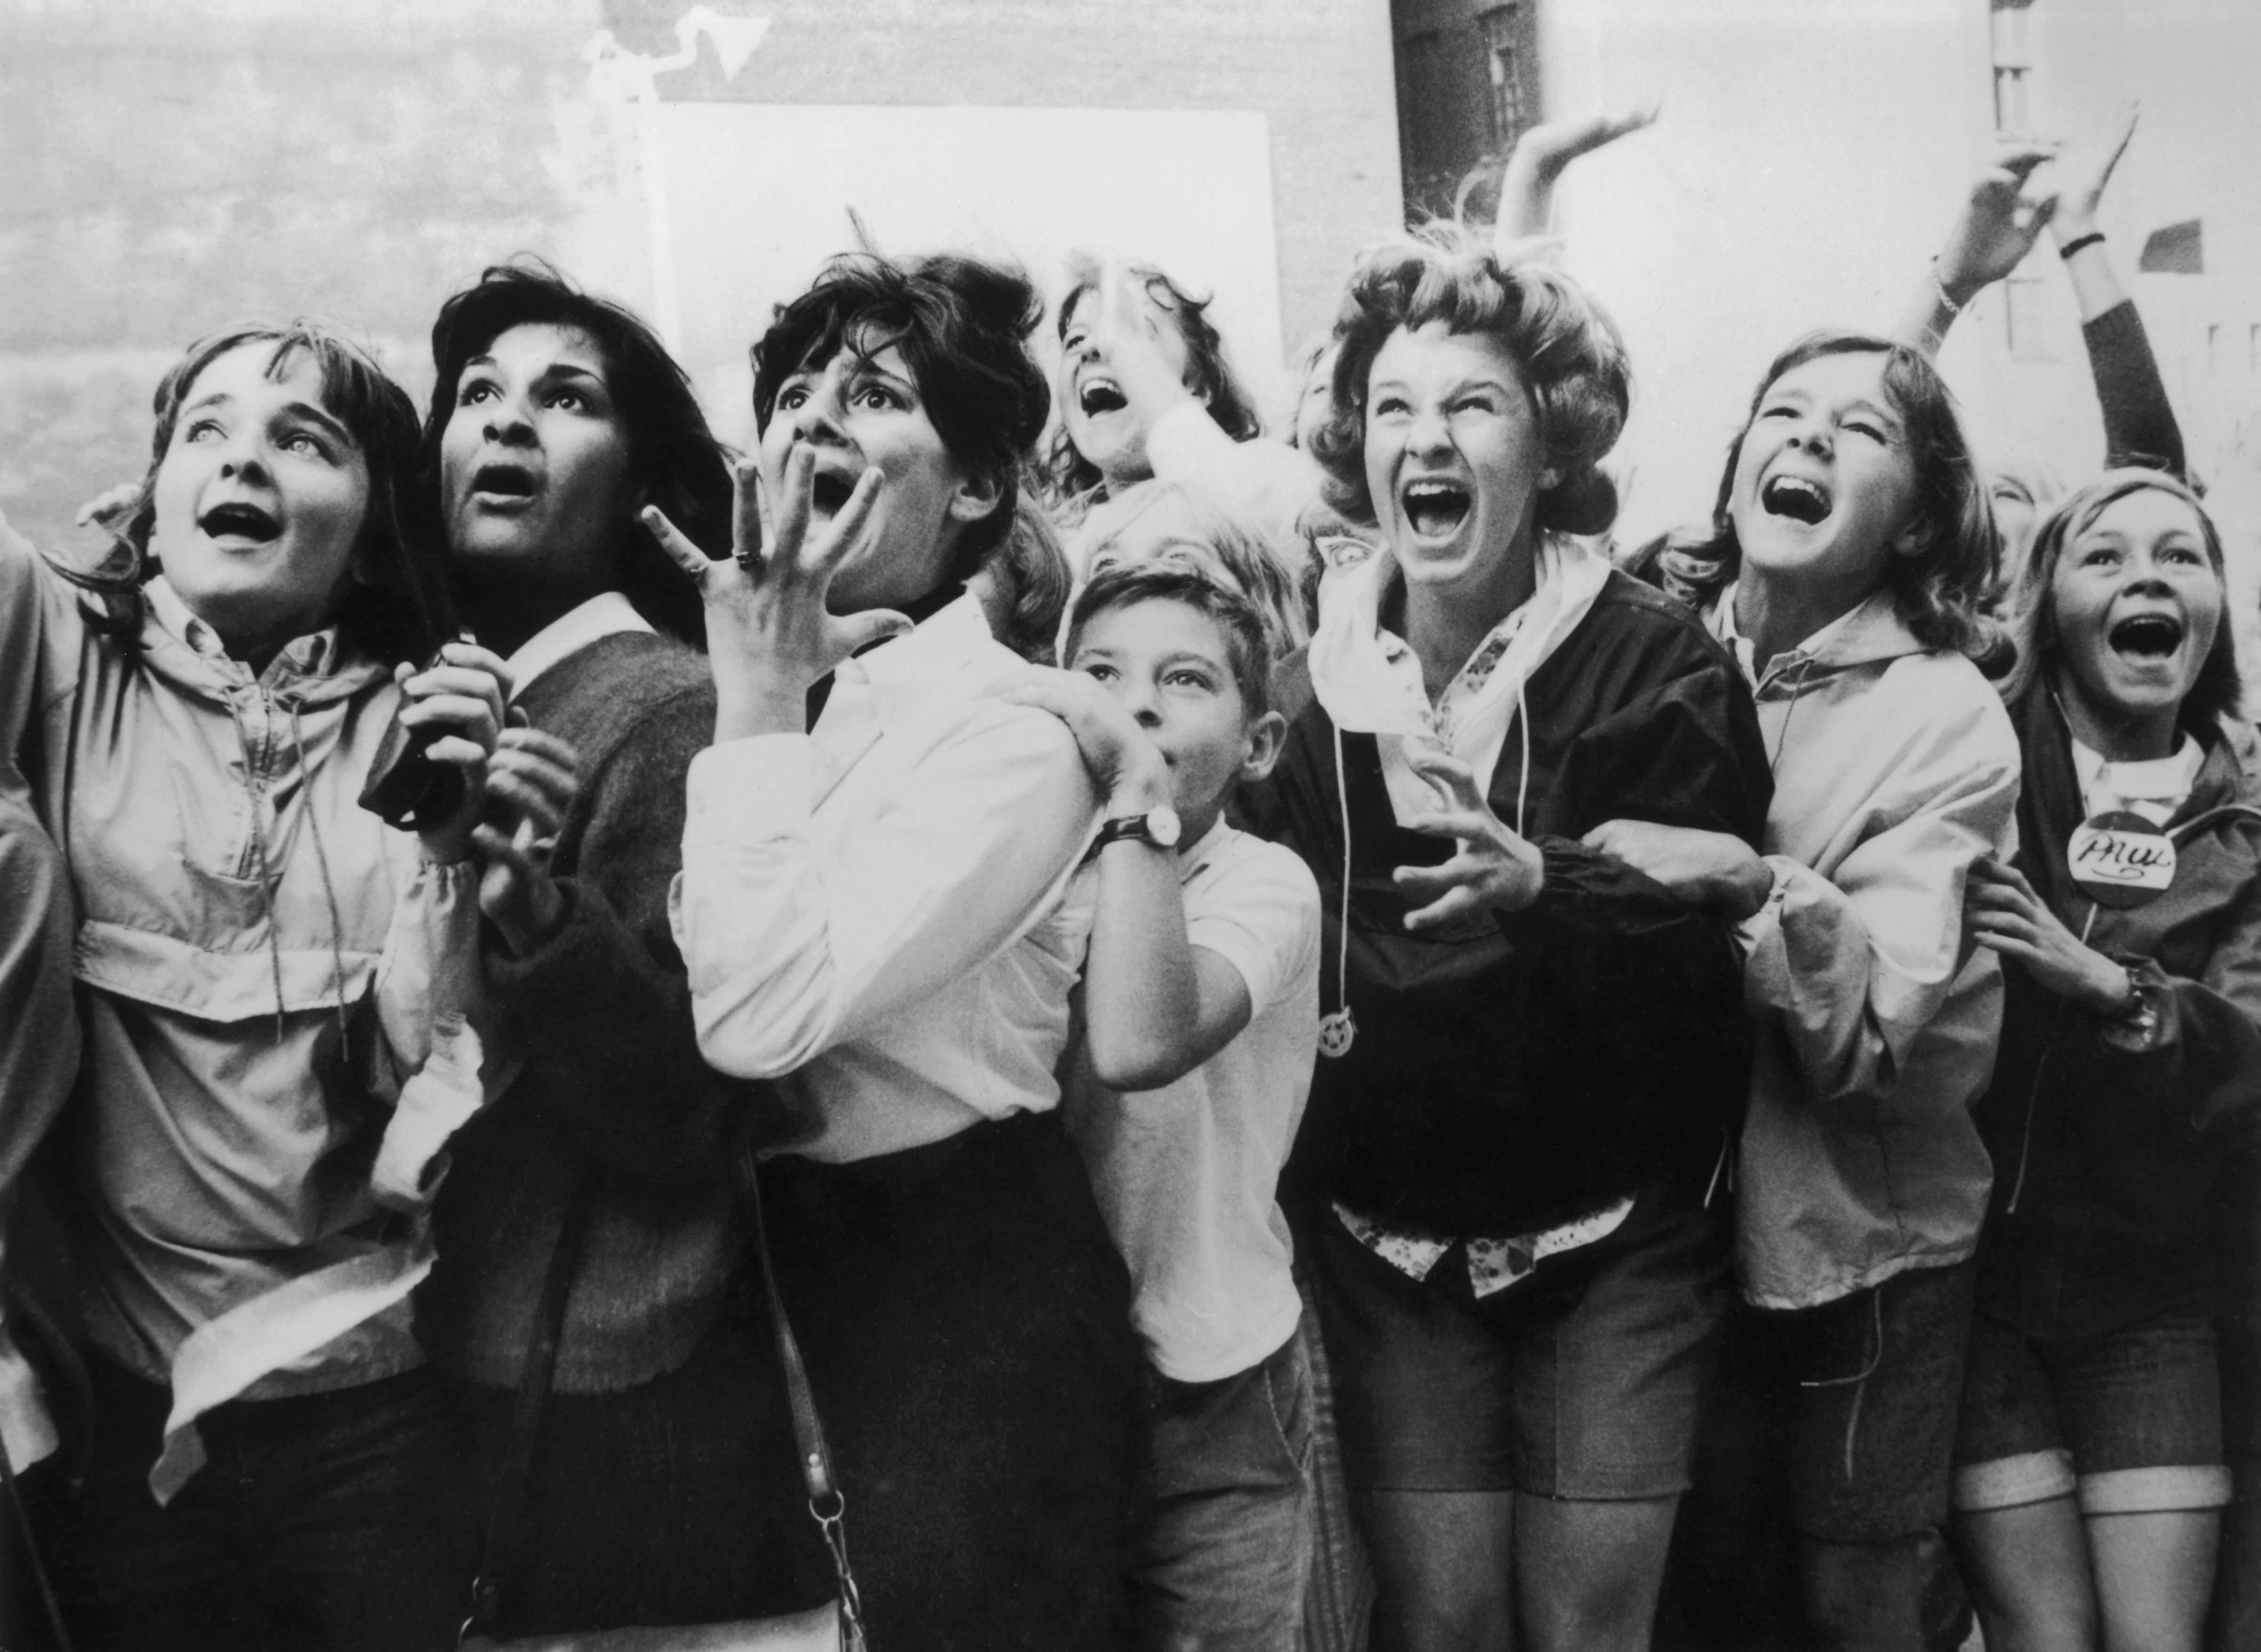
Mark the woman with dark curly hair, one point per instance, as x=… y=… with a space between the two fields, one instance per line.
x=1535 y=1052
x=604 y=1170
x=877 y=912
x=1144 y=390
x=1851 y=545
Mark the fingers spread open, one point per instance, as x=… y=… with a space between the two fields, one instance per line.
x=839 y=541
x=685 y=555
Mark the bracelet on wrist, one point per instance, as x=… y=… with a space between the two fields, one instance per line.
x=2094 y=238
x=1945 y=297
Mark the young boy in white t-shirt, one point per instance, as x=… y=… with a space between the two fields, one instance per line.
x=1198 y=1027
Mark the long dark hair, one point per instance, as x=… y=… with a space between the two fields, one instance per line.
x=397 y=606
x=1936 y=591
x=674 y=460
x=962 y=327
x=1209 y=375
x=1562 y=342
x=2217 y=693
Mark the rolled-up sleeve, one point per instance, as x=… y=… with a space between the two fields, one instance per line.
x=801 y=934
x=1853 y=966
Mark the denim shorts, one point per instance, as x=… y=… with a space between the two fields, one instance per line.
x=1585 y=1381
x=2128 y=1420
x=1862 y=1389
x=1222 y=1516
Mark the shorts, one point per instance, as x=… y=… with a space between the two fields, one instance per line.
x=1866 y=1388
x=1585 y=1381
x=2128 y=1420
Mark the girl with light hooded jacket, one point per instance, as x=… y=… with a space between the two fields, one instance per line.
x=1851 y=544
x=273 y=983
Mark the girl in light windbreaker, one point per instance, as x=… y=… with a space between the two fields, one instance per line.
x=1852 y=539
x=266 y=971
x=2090 y=1462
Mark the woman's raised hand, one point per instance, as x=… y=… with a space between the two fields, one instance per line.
x=1526 y=186
x=2003 y=913
x=1494 y=871
x=1698 y=868
x=2000 y=220
x=769 y=635
x=2083 y=171
x=1126 y=335
x=463 y=694
x=533 y=779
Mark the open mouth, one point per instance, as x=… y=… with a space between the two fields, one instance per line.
x=1795 y=497
x=2146 y=636
x=1099 y=395
x=239 y=521
x=1435 y=509
x=828 y=491
x=504 y=480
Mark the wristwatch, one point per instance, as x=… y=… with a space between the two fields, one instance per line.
x=1158 y=826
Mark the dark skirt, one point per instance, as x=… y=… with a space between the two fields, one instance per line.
x=966 y=1326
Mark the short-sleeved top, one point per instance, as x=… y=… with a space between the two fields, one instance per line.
x=1186 y=1174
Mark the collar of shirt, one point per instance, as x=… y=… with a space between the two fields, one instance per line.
x=884 y=686
x=605 y=614
x=2153 y=788
x=1746 y=652
x=311 y=655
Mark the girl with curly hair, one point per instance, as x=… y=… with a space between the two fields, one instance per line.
x=1532 y=1053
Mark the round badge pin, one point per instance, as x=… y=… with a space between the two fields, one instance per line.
x=2120 y=860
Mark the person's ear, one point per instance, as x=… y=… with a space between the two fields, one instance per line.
x=976 y=497
x=1913 y=539
x=1265 y=738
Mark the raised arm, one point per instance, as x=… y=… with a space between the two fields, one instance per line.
x=1536 y=164
x=1155 y=1005
x=2139 y=422
x=2000 y=221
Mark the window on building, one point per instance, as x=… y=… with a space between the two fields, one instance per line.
x=1467 y=87
x=2013 y=65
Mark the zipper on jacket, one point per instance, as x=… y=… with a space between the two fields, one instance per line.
x=256 y=754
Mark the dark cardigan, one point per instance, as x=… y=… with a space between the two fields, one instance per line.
x=613 y=1085
x=1516 y=1073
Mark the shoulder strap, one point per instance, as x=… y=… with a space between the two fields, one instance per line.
x=510 y=1516
x=825 y=1502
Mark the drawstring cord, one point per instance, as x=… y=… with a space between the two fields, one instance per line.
x=329 y=889
x=1337 y=1030
x=269 y=877
x=1859 y=1380
x=254 y=790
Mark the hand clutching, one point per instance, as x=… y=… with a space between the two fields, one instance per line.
x=769 y=635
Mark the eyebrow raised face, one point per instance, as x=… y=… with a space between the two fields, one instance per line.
x=302 y=412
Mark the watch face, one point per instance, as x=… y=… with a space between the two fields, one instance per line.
x=1162 y=826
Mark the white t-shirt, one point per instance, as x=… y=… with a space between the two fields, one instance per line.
x=1187 y=1175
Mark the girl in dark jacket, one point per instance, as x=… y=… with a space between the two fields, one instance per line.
x=1534 y=1050
x=2090 y=1457
x=604 y=1167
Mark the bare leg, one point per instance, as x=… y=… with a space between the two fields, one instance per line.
x=1443 y=1562
x=2153 y=1574
x=2028 y=1569
x=1587 y=1573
